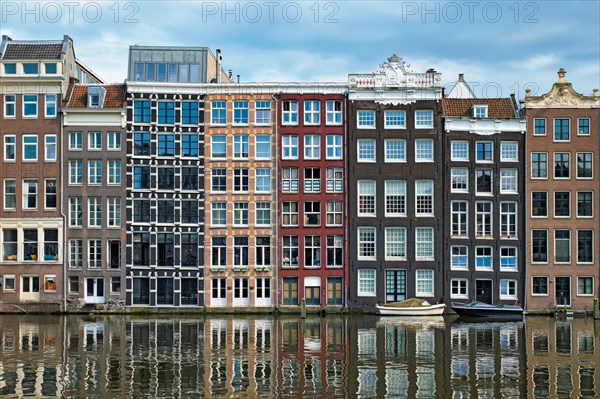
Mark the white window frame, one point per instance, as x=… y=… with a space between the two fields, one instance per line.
x=459 y=288
x=589 y=127
x=547 y=165
x=509 y=178
x=7 y=102
x=290 y=114
x=453 y=266
x=504 y=150
x=7 y=144
x=48 y=145
x=477 y=160
x=332 y=180
x=368 y=276
x=289 y=144
x=262 y=105
x=491 y=217
x=554 y=165
x=241 y=141
x=366 y=189
x=214 y=110
x=503 y=255
x=391 y=191
x=336 y=210
x=421 y=122
x=422 y=278
x=459 y=175
x=75 y=203
x=366 y=230
x=484 y=256
x=49 y=101
x=547 y=286
x=95 y=178
x=94 y=212
x=114 y=172
x=361 y=152
x=593 y=286
x=365 y=119
x=555 y=205
x=419 y=193
x=418 y=151
x=78 y=141
x=334 y=144
x=262 y=175
x=419 y=241
x=454 y=150
x=261 y=140
x=25 y=136
x=593 y=245
x=459 y=233
x=113 y=214
x=398 y=244
x=312 y=112
x=213 y=144
x=592 y=168
x=483 y=172
x=241 y=214
x=241 y=105
x=333 y=117
x=26 y=102
x=216 y=208
x=92 y=143
x=312 y=146
x=393 y=146
x=26 y=194
x=505 y=232
x=395 y=119
x=545 y=127
x=262 y=206
x=112 y=144
x=505 y=290
x=480 y=111
x=577 y=205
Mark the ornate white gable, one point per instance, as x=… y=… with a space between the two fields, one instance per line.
x=562 y=95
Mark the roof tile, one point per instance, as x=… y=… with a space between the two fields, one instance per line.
x=499 y=108
x=115 y=96
x=33 y=51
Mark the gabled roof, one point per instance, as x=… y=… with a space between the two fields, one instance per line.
x=48 y=50
x=498 y=108
x=115 y=97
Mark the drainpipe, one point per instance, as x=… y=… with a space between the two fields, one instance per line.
x=275 y=97
x=346 y=173
x=62 y=210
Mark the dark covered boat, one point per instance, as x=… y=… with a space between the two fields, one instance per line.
x=482 y=309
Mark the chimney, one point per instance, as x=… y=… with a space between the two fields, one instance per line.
x=238 y=78
x=461 y=77
x=219 y=59
x=230 y=74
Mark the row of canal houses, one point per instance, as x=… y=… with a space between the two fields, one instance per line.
x=184 y=189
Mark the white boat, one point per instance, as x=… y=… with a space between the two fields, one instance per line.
x=411 y=307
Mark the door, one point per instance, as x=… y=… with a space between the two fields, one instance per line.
x=30 y=289
x=263 y=291
x=563 y=291
x=94 y=290
x=312 y=296
x=483 y=291
x=334 y=291
x=395 y=285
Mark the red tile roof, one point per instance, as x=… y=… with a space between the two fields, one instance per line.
x=115 y=96
x=498 y=108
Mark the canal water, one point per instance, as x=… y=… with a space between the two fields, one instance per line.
x=289 y=357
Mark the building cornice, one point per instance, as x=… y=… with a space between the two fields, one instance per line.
x=485 y=127
x=238 y=88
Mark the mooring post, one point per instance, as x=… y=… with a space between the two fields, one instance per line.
x=303 y=308
x=596 y=309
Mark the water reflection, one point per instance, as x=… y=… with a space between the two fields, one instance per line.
x=289 y=357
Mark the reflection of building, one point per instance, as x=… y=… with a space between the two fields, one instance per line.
x=562 y=357
x=562 y=189
x=93 y=173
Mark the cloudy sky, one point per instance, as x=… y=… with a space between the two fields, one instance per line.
x=501 y=46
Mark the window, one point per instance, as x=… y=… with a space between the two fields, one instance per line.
x=312 y=251
x=290 y=251
x=366 y=197
x=312 y=146
x=189 y=145
x=165 y=249
x=539 y=127
x=312 y=180
x=562 y=204
x=263 y=113
x=585 y=204
x=540 y=285
x=366 y=119
x=459 y=258
x=290 y=291
x=141 y=177
x=50 y=194
x=459 y=180
x=335 y=213
x=584 y=165
x=241 y=146
x=10 y=194
x=50 y=106
x=459 y=288
x=141 y=211
x=459 y=218
x=75 y=253
x=334 y=146
x=508 y=258
x=508 y=289
x=73 y=284
x=30 y=105
x=508 y=181
x=539 y=204
x=366 y=243
x=263 y=251
x=30 y=192
x=395 y=198
x=94 y=141
x=219 y=251
x=424 y=197
x=333 y=111
x=240 y=112
x=312 y=213
x=508 y=219
x=95 y=212
x=366 y=282
x=561 y=129
x=166 y=112
x=562 y=246
x=335 y=251
x=395 y=150
x=395 y=119
x=289 y=180
x=263 y=147
x=424 y=150
x=75 y=212
x=312 y=112
x=483 y=216
x=10 y=245
x=219 y=180
x=218 y=214
x=585 y=246
x=423 y=119
x=10 y=69
x=539 y=165
x=483 y=258
x=263 y=214
x=509 y=151
x=189 y=211
x=114 y=212
x=218 y=147
x=395 y=243
x=141 y=250
x=165 y=211
x=424 y=283
x=189 y=112
x=95 y=172
x=141 y=144
x=583 y=126
x=218 y=113
x=335 y=180
x=10 y=148
x=75 y=140
x=290 y=213
x=484 y=182
x=241 y=214
x=30 y=69
x=10 y=106
x=366 y=150
x=459 y=150
x=290 y=113
x=94 y=254
x=539 y=246
x=30 y=147
x=189 y=178
x=166 y=145
x=240 y=180
x=585 y=286
x=485 y=151
x=480 y=111
x=51 y=245
x=114 y=172
x=114 y=140
x=263 y=180
x=424 y=244
x=30 y=244
x=115 y=285
x=290 y=147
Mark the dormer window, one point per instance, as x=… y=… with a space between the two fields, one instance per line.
x=50 y=68
x=480 y=111
x=10 y=69
x=94 y=100
x=30 y=69
x=96 y=96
